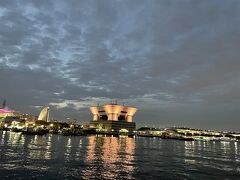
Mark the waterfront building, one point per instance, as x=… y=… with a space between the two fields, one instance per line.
x=113 y=117
x=150 y=132
x=7 y=117
x=5 y=113
x=44 y=114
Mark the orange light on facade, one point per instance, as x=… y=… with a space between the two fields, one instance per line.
x=113 y=112
x=130 y=113
x=95 y=113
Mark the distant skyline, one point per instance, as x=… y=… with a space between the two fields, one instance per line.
x=178 y=62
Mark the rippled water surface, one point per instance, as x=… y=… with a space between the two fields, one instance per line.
x=98 y=157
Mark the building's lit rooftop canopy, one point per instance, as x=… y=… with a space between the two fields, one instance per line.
x=113 y=112
x=4 y=112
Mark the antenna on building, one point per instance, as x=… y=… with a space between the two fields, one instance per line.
x=112 y=102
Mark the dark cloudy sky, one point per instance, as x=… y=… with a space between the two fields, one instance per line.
x=177 y=61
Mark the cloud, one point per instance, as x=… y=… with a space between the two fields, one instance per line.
x=164 y=57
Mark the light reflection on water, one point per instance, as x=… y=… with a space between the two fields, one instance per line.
x=99 y=157
x=114 y=155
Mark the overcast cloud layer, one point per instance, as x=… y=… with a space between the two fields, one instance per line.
x=176 y=61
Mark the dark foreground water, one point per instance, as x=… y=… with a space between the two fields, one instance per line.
x=91 y=157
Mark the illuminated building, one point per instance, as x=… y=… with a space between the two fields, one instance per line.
x=44 y=114
x=8 y=114
x=113 y=117
x=4 y=113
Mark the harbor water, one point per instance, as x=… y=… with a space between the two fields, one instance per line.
x=99 y=157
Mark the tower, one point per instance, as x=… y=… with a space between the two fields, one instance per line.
x=4 y=104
